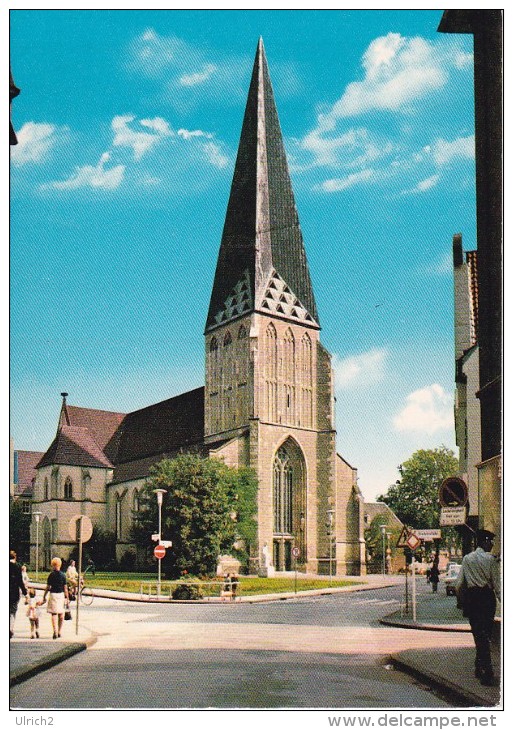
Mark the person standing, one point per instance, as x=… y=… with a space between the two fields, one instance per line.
x=477 y=588
x=56 y=586
x=434 y=576
x=16 y=585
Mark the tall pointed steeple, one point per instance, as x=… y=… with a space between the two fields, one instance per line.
x=262 y=263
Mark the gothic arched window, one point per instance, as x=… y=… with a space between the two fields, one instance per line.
x=282 y=488
x=242 y=332
x=271 y=373
x=213 y=344
x=227 y=339
x=68 y=488
x=136 y=505
x=46 y=489
x=118 y=525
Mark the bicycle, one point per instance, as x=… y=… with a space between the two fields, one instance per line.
x=85 y=594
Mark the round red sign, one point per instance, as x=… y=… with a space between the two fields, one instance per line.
x=159 y=552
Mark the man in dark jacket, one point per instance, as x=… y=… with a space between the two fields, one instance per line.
x=16 y=585
x=477 y=587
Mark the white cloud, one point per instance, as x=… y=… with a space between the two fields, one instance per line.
x=94 y=177
x=441 y=267
x=35 y=141
x=460 y=148
x=398 y=70
x=189 y=134
x=428 y=410
x=199 y=77
x=364 y=369
x=214 y=155
x=211 y=150
x=342 y=183
x=140 y=141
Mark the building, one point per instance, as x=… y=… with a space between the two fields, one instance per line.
x=486 y=26
x=467 y=408
x=268 y=400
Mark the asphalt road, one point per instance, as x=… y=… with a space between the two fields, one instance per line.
x=323 y=652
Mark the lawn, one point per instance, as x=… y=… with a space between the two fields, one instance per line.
x=248 y=585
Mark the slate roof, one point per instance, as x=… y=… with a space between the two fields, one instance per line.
x=128 y=443
x=75 y=445
x=261 y=234
x=26 y=468
x=372 y=509
x=164 y=427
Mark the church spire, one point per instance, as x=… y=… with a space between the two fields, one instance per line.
x=262 y=248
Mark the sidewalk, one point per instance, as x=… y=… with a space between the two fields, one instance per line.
x=450 y=671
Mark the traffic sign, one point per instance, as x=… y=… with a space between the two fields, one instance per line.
x=159 y=551
x=453 y=492
x=403 y=537
x=86 y=528
x=296 y=552
x=413 y=541
x=166 y=543
x=428 y=535
x=453 y=516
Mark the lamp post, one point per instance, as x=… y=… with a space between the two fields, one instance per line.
x=37 y=515
x=389 y=553
x=383 y=534
x=160 y=494
x=329 y=525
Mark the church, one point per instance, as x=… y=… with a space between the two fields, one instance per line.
x=268 y=399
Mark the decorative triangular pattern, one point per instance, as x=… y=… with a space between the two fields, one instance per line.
x=280 y=300
x=238 y=301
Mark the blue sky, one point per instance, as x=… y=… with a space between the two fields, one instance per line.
x=128 y=124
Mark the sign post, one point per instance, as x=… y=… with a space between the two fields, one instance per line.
x=159 y=552
x=295 y=552
x=80 y=529
x=413 y=543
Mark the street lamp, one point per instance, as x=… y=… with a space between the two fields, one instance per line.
x=383 y=534
x=160 y=494
x=329 y=525
x=37 y=515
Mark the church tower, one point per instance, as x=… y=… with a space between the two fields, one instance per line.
x=269 y=392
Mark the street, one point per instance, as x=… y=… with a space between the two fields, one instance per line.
x=318 y=652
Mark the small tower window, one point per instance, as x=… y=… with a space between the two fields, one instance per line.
x=68 y=488
x=227 y=340
x=46 y=489
x=213 y=344
x=242 y=332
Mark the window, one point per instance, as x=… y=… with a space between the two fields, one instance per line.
x=242 y=332
x=55 y=482
x=118 y=517
x=25 y=506
x=68 y=488
x=282 y=487
x=46 y=491
x=213 y=344
x=136 y=505
x=227 y=340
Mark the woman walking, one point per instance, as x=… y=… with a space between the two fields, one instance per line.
x=56 y=586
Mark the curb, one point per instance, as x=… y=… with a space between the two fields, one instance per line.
x=26 y=671
x=454 y=692
x=419 y=625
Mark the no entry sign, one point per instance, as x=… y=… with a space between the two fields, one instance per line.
x=159 y=551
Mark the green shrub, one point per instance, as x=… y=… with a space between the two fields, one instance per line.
x=187 y=592
x=127 y=562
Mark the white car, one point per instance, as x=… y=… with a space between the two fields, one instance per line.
x=453 y=570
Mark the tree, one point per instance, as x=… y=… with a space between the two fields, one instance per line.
x=19 y=529
x=208 y=505
x=374 y=538
x=414 y=497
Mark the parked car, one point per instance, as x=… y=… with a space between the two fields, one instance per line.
x=453 y=570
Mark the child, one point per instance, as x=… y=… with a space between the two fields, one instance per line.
x=33 y=613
